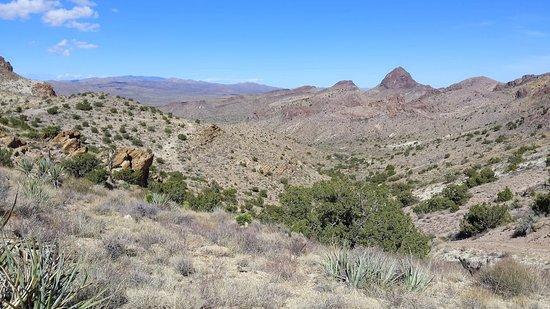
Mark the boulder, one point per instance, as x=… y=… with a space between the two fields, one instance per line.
x=43 y=90
x=13 y=142
x=521 y=93
x=70 y=143
x=135 y=159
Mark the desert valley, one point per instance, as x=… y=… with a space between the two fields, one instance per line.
x=238 y=199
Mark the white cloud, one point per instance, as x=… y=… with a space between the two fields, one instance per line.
x=24 y=8
x=53 y=13
x=61 y=16
x=66 y=47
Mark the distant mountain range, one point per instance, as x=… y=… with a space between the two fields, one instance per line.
x=156 y=90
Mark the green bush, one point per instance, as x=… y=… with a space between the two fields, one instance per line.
x=129 y=175
x=98 y=175
x=50 y=131
x=457 y=193
x=541 y=205
x=182 y=137
x=244 y=219
x=5 y=157
x=403 y=194
x=211 y=198
x=81 y=164
x=84 y=106
x=505 y=195
x=54 y=110
x=174 y=187
x=478 y=177
x=352 y=213
x=482 y=217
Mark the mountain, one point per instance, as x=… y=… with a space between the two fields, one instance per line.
x=342 y=114
x=13 y=83
x=156 y=90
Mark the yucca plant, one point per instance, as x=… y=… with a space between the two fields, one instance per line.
x=35 y=276
x=157 y=199
x=26 y=166
x=55 y=174
x=416 y=277
x=43 y=168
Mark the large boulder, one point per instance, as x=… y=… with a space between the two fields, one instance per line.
x=43 y=90
x=135 y=159
x=70 y=142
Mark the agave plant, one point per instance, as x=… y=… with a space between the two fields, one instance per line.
x=416 y=277
x=26 y=166
x=35 y=276
x=158 y=199
x=43 y=168
x=55 y=173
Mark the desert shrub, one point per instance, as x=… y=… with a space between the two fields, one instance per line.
x=174 y=187
x=5 y=157
x=505 y=195
x=354 y=213
x=457 y=193
x=508 y=278
x=244 y=219
x=482 y=217
x=53 y=110
x=81 y=164
x=184 y=266
x=129 y=176
x=436 y=203
x=98 y=175
x=210 y=198
x=403 y=193
x=364 y=267
x=40 y=277
x=478 y=177
x=50 y=131
x=182 y=137
x=84 y=106
x=541 y=205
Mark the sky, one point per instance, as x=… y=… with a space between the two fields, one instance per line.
x=282 y=43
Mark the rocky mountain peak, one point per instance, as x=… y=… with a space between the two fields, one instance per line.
x=345 y=84
x=5 y=65
x=398 y=78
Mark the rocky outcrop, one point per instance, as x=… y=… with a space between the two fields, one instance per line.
x=13 y=142
x=6 y=70
x=43 y=90
x=521 y=93
x=134 y=159
x=209 y=134
x=70 y=142
x=398 y=78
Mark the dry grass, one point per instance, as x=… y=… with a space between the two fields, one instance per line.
x=509 y=278
x=151 y=257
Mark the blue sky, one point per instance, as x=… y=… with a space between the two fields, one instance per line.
x=282 y=43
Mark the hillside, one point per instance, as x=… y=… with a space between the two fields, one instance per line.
x=156 y=90
x=253 y=200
